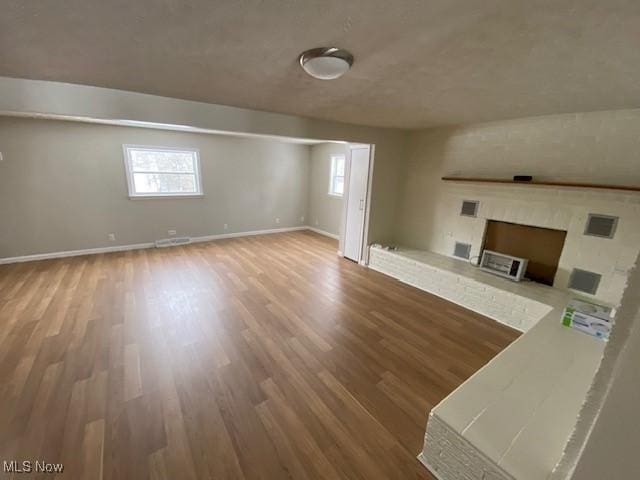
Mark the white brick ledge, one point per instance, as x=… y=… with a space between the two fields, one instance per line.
x=448 y=455
x=513 y=417
x=454 y=280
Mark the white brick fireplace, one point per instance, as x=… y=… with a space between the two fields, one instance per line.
x=558 y=208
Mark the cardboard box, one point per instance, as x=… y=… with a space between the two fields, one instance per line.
x=588 y=317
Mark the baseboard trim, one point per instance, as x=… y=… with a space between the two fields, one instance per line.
x=323 y=232
x=138 y=246
x=75 y=253
x=251 y=233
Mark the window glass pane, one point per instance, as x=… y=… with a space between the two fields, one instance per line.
x=338 y=185
x=339 y=166
x=162 y=171
x=162 y=161
x=164 y=183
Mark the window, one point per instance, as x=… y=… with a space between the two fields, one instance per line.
x=162 y=172
x=336 y=182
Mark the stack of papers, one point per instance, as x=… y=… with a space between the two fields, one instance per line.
x=588 y=317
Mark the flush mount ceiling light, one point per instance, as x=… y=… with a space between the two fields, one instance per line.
x=326 y=63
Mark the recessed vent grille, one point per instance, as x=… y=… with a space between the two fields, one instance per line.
x=601 y=225
x=170 y=242
x=584 y=281
x=469 y=208
x=462 y=250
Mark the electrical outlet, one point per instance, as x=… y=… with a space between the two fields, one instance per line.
x=112 y=237
x=225 y=226
x=317 y=222
x=277 y=220
x=302 y=219
x=171 y=232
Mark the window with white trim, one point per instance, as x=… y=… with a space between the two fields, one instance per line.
x=336 y=182
x=162 y=171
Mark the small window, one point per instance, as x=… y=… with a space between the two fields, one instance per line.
x=162 y=172
x=336 y=183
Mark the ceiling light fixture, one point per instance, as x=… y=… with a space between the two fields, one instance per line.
x=326 y=63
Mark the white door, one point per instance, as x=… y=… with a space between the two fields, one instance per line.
x=356 y=202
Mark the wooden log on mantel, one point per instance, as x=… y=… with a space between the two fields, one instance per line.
x=602 y=186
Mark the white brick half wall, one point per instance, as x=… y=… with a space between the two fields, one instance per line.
x=454 y=280
x=513 y=417
x=450 y=456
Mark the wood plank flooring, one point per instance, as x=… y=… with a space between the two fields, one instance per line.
x=253 y=358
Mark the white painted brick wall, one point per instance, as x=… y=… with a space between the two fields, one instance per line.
x=446 y=451
x=595 y=147
x=548 y=209
x=511 y=309
x=449 y=456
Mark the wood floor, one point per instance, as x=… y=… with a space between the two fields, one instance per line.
x=261 y=358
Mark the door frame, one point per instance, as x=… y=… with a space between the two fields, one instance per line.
x=364 y=233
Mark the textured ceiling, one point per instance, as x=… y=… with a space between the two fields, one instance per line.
x=418 y=63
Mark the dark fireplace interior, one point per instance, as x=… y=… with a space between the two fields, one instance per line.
x=541 y=246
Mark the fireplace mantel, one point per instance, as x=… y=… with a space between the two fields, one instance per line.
x=602 y=186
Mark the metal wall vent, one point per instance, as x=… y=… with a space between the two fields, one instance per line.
x=584 y=281
x=462 y=250
x=170 y=242
x=601 y=225
x=469 y=208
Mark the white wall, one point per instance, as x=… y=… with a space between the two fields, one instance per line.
x=63 y=187
x=43 y=97
x=606 y=440
x=612 y=448
x=325 y=211
x=598 y=147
